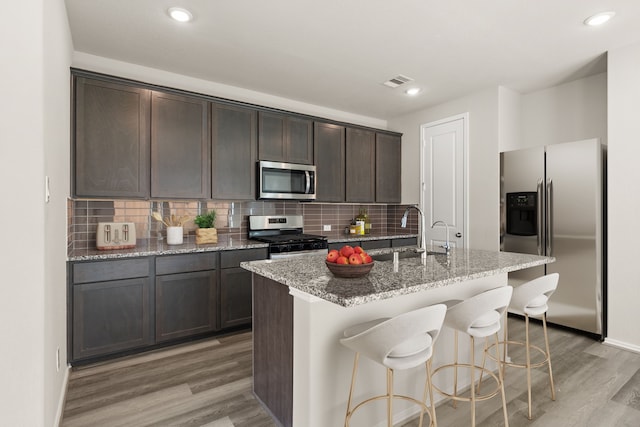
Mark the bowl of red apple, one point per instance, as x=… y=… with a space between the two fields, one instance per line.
x=349 y=262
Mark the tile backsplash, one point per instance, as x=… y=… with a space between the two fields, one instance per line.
x=231 y=217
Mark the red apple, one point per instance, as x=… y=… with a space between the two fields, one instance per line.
x=364 y=256
x=333 y=255
x=355 y=259
x=368 y=259
x=358 y=250
x=346 y=251
x=342 y=260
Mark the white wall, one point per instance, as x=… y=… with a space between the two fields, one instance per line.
x=623 y=196
x=164 y=78
x=58 y=50
x=34 y=123
x=509 y=118
x=22 y=213
x=484 y=160
x=569 y=112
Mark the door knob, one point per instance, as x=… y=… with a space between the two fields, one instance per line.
x=458 y=234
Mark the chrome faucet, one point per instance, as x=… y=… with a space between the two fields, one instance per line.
x=446 y=246
x=423 y=229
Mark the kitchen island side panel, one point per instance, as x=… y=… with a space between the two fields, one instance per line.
x=273 y=347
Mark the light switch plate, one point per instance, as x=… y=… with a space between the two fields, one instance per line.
x=326 y=227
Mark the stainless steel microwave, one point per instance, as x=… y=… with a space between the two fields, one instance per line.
x=289 y=181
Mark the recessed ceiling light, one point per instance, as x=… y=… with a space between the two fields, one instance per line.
x=599 y=18
x=180 y=14
x=413 y=91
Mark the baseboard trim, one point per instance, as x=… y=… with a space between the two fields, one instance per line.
x=621 y=344
x=63 y=397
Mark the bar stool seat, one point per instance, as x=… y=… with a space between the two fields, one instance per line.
x=531 y=299
x=478 y=317
x=402 y=342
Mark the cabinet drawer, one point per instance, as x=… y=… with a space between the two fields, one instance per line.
x=85 y=272
x=230 y=259
x=408 y=241
x=375 y=244
x=171 y=264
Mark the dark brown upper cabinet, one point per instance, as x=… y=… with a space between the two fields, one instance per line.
x=283 y=138
x=180 y=150
x=360 y=165
x=329 y=155
x=111 y=144
x=388 y=153
x=234 y=152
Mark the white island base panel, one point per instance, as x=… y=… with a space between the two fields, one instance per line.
x=322 y=367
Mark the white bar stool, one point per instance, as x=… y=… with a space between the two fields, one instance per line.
x=531 y=299
x=479 y=317
x=402 y=342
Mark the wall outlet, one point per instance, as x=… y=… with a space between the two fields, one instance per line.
x=326 y=227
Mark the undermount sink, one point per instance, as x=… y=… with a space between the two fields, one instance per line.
x=401 y=255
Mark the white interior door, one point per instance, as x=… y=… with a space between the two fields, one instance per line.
x=443 y=170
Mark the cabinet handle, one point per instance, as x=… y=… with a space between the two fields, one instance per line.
x=458 y=234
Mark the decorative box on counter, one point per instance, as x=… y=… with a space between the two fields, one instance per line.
x=206 y=235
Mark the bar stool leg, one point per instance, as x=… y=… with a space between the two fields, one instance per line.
x=432 y=413
x=506 y=341
x=353 y=382
x=526 y=328
x=501 y=378
x=455 y=369
x=428 y=388
x=546 y=342
x=389 y=397
x=473 y=383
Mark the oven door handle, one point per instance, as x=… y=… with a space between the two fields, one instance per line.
x=308 y=177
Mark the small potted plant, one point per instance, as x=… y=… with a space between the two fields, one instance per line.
x=206 y=233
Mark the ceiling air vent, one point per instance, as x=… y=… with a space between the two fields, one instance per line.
x=397 y=81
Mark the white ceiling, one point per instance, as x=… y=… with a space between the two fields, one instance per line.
x=337 y=53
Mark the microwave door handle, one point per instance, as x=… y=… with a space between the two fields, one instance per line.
x=539 y=215
x=308 y=177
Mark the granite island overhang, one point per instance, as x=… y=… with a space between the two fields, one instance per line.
x=302 y=373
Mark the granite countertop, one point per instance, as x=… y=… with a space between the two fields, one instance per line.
x=311 y=276
x=149 y=247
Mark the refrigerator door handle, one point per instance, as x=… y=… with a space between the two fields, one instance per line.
x=549 y=233
x=539 y=215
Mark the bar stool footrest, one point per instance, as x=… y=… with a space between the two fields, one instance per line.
x=479 y=369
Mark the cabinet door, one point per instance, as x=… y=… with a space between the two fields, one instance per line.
x=360 y=164
x=111 y=147
x=234 y=149
x=329 y=154
x=185 y=304
x=235 y=297
x=179 y=147
x=388 y=152
x=111 y=316
x=271 y=137
x=299 y=140
x=285 y=138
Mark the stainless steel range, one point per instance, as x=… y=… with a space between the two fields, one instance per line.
x=285 y=236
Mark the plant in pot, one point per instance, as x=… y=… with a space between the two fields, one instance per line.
x=206 y=233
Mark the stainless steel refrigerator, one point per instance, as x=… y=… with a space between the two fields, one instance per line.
x=553 y=203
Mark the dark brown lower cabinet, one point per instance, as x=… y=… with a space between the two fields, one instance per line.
x=185 y=304
x=111 y=316
x=235 y=286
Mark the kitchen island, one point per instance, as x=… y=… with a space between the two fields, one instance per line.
x=302 y=373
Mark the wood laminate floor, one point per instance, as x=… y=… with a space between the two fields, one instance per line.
x=208 y=383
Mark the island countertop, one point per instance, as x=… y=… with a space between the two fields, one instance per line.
x=310 y=275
